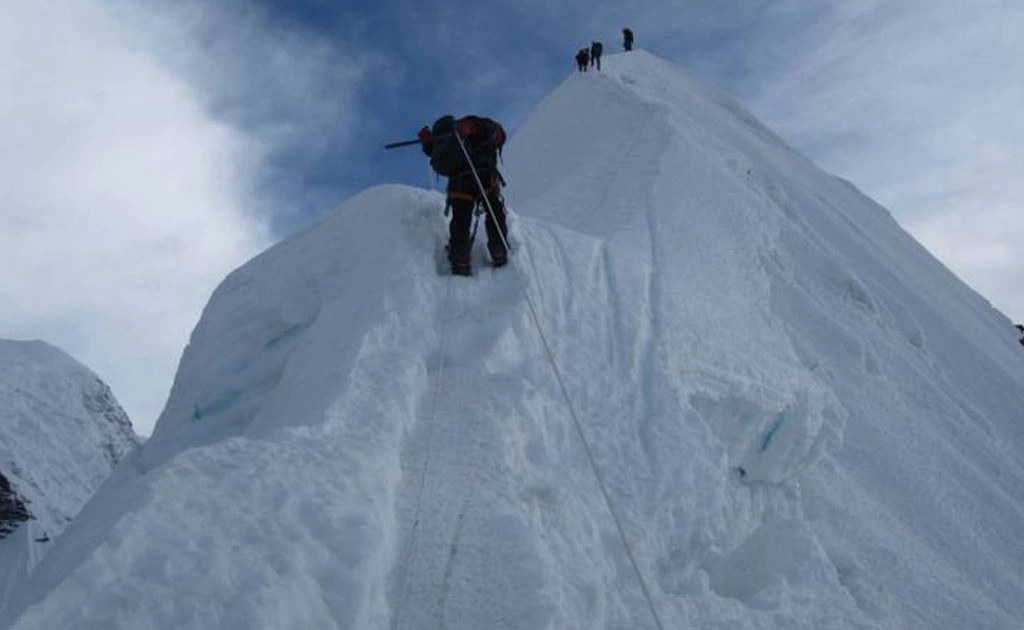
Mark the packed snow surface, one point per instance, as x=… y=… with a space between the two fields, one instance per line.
x=802 y=419
x=61 y=434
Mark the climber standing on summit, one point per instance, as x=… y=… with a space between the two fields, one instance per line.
x=483 y=139
x=627 y=39
x=582 y=59
x=595 y=54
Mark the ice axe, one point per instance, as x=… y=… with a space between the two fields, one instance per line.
x=407 y=143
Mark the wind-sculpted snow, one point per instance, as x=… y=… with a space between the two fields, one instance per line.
x=802 y=419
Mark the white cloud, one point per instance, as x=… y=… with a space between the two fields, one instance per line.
x=293 y=89
x=986 y=243
x=133 y=156
x=918 y=103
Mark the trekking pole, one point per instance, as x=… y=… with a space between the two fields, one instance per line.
x=476 y=224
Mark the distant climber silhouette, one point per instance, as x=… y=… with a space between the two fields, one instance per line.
x=595 y=54
x=627 y=39
x=582 y=59
x=483 y=139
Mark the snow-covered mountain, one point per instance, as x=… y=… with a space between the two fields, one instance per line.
x=61 y=434
x=716 y=388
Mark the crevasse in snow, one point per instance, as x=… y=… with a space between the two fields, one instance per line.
x=802 y=418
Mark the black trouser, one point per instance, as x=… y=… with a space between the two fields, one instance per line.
x=461 y=226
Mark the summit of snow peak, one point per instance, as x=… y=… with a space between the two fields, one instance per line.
x=354 y=440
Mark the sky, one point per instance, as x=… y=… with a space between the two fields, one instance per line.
x=148 y=148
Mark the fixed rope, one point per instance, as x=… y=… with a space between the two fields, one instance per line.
x=572 y=409
x=432 y=420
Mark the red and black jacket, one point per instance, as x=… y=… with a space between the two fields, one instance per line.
x=483 y=139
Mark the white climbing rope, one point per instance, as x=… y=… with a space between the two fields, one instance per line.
x=572 y=410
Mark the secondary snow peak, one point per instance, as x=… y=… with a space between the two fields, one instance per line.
x=61 y=434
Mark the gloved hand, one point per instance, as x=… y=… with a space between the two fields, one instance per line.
x=424 y=134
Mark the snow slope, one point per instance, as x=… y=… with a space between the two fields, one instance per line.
x=61 y=434
x=355 y=441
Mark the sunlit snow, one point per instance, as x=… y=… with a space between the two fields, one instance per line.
x=61 y=434
x=803 y=419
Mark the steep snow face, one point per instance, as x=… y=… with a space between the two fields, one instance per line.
x=61 y=433
x=801 y=419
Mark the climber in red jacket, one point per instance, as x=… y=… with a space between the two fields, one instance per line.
x=483 y=139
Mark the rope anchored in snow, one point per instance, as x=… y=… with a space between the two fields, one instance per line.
x=572 y=409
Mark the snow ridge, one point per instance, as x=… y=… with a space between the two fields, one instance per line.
x=803 y=420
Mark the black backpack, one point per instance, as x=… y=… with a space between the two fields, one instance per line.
x=446 y=157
